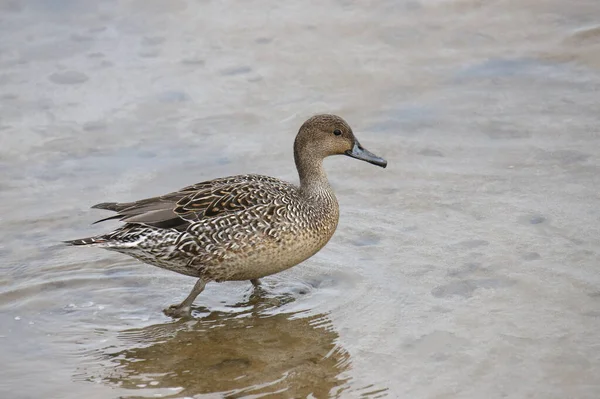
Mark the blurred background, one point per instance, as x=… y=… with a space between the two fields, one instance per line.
x=469 y=268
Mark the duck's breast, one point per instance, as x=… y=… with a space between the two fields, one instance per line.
x=270 y=240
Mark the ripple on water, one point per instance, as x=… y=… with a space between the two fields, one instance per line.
x=68 y=77
x=241 y=342
x=466 y=288
x=236 y=353
x=585 y=35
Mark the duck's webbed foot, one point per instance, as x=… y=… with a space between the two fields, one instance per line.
x=178 y=311
x=259 y=288
x=184 y=309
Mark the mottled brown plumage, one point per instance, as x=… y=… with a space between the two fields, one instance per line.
x=241 y=227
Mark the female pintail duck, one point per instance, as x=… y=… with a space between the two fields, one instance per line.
x=240 y=227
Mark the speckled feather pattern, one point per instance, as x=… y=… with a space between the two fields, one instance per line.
x=236 y=228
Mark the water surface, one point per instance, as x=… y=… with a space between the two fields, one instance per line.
x=469 y=268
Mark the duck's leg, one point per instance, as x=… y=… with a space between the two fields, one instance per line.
x=184 y=309
x=258 y=291
x=260 y=297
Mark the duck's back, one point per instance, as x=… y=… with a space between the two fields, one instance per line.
x=233 y=228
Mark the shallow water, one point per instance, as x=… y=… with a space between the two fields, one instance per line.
x=469 y=268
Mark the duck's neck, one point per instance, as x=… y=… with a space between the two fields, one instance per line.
x=313 y=180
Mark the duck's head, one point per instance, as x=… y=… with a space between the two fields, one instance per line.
x=325 y=135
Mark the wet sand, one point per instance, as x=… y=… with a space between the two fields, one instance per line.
x=466 y=269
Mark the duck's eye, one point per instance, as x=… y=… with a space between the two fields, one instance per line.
x=337 y=132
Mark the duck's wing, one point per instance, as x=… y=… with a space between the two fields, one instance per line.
x=200 y=201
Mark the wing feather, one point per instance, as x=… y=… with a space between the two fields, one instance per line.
x=200 y=201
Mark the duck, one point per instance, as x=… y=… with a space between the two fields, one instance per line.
x=238 y=228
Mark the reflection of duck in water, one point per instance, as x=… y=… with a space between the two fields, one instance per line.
x=236 y=355
x=241 y=227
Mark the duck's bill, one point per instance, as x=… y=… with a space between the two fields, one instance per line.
x=359 y=152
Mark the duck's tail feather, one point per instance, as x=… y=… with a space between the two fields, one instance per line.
x=109 y=206
x=92 y=241
x=109 y=218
